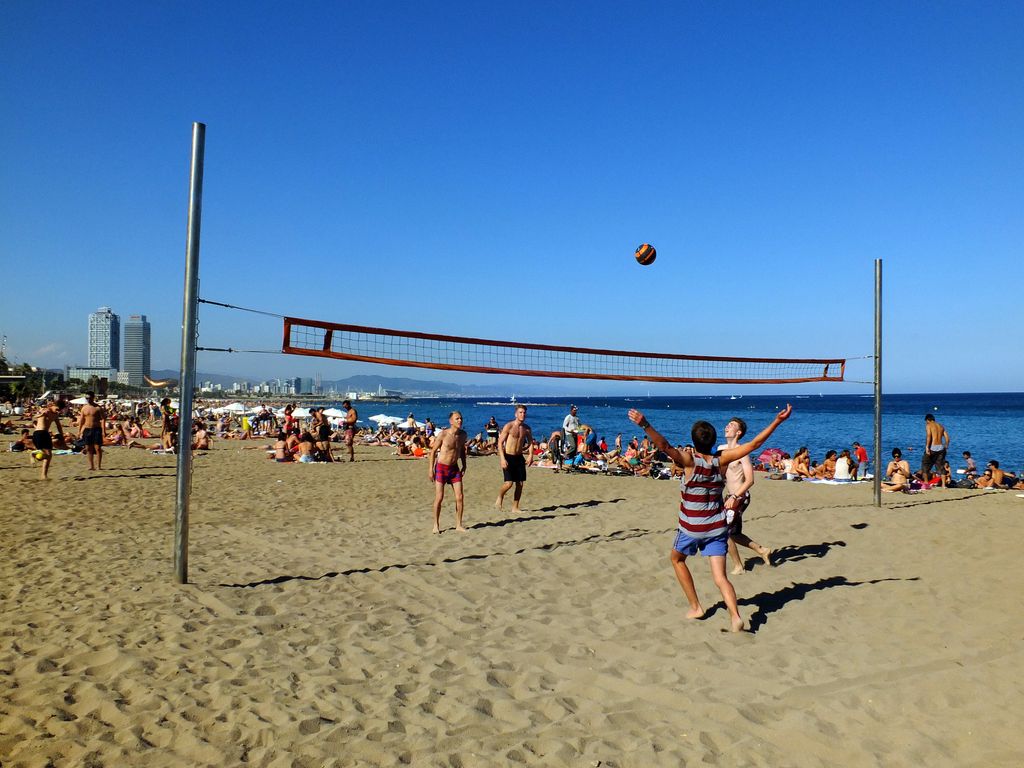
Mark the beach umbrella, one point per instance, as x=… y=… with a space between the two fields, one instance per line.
x=78 y=401
x=334 y=413
x=769 y=455
x=300 y=413
x=235 y=408
x=381 y=419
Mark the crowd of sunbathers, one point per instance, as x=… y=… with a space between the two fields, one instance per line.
x=125 y=425
x=851 y=465
x=842 y=466
x=902 y=480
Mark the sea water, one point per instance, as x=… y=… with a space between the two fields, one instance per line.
x=989 y=425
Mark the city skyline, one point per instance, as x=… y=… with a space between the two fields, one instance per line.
x=103 y=349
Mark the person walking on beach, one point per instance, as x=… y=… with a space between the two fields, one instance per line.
x=514 y=453
x=447 y=466
x=351 y=417
x=739 y=479
x=702 y=526
x=860 y=459
x=571 y=429
x=41 y=437
x=91 y=423
x=936 y=443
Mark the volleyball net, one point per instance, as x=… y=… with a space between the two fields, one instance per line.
x=456 y=353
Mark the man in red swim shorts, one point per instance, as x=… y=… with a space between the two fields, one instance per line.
x=447 y=466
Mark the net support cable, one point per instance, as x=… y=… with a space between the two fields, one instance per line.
x=455 y=353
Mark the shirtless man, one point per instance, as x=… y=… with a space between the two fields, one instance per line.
x=1001 y=478
x=91 y=421
x=739 y=479
x=936 y=443
x=448 y=465
x=513 y=451
x=351 y=417
x=41 y=437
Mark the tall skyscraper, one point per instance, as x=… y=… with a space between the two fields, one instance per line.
x=104 y=339
x=136 y=349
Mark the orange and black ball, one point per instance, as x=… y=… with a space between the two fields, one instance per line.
x=646 y=254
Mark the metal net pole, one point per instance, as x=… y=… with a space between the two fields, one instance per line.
x=188 y=355
x=878 y=383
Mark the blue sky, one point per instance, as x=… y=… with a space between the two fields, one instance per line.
x=487 y=169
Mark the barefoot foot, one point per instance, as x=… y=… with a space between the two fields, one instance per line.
x=436 y=530
x=737 y=570
x=737 y=624
x=461 y=529
x=766 y=555
x=695 y=613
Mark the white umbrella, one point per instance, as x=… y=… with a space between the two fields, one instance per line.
x=78 y=401
x=334 y=413
x=300 y=413
x=235 y=408
x=381 y=419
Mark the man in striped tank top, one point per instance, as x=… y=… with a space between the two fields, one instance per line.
x=702 y=526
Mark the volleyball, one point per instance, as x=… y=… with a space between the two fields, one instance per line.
x=646 y=254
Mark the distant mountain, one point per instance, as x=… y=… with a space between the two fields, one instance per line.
x=368 y=383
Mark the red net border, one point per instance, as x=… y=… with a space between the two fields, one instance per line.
x=329 y=328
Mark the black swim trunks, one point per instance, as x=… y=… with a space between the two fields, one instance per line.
x=93 y=436
x=516 y=470
x=324 y=433
x=736 y=524
x=932 y=459
x=42 y=440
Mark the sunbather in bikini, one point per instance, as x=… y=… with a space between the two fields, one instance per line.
x=898 y=472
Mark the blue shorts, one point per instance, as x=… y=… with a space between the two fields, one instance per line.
x=685 y=545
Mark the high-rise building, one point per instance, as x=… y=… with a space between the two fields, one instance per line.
x=104 y=339
x=136 y=349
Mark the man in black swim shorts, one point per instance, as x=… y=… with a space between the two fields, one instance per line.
x=41 y=436
x=515 y=452
x=91 y=420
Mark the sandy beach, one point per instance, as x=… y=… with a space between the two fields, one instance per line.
x=326 y=626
